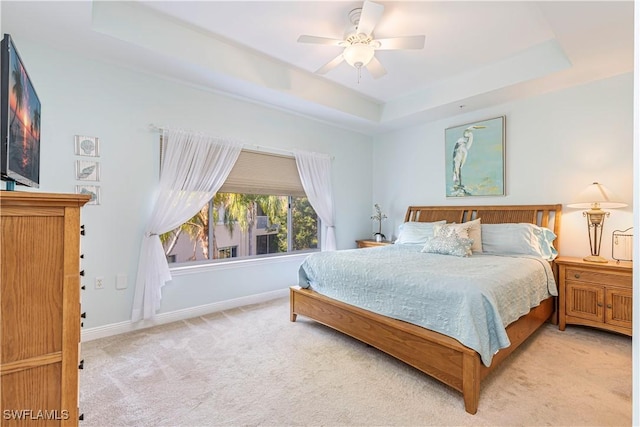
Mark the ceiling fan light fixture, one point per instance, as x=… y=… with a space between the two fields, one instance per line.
x=359 y=42
x=358 y=55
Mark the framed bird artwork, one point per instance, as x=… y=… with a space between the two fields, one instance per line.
x=474 y=158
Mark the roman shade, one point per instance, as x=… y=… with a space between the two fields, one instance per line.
x=264 y=173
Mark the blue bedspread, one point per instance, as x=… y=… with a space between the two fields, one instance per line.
x=471 y=299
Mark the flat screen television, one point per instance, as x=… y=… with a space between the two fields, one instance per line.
x=20 y=129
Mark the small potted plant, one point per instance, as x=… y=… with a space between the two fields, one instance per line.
x=379 y=216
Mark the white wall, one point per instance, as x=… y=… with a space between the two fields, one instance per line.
x=556 y=144
x=81 y=96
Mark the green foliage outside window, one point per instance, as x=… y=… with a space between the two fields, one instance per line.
x=241 y=211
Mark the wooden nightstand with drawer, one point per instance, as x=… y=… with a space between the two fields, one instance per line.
x=370 y=243
x=594 y=294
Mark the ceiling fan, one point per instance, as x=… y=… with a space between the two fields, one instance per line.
x=359 y=43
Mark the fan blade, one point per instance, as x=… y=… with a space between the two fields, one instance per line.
x=369 y=17
x=319 y=40
x=375 y=68
x=330 y=65
x=410 y=42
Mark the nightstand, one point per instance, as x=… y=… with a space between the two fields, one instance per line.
x=370 y=243
x=594 y=294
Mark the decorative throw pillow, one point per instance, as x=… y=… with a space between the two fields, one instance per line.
x=447 y=241
x=475 y=234
x=469 y=229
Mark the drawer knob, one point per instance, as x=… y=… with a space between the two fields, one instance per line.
x=599 y=304
x=576 y=275
x=608 y=305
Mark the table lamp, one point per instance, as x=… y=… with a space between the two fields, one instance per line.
x=595 y=197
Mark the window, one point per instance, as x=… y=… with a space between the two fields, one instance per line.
x=260 y=210
x=267 y=244
x=228 y=252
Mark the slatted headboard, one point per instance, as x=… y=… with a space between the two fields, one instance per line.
x=542 y=215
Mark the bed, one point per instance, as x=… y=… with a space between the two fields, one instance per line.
x=436 y=354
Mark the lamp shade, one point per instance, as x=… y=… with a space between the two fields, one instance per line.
x=358 y=55
x=596 y=195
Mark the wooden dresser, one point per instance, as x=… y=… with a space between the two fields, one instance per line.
x=595 y=294
x=39 y=308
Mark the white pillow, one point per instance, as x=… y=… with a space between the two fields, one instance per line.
x=521 y=239
x=468 y=230
x=416 y=232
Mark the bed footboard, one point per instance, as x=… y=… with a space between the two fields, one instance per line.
x=437 y=355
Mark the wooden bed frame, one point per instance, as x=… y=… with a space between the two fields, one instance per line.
x=437 y=355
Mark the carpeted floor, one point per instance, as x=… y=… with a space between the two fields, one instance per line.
x=252 y=366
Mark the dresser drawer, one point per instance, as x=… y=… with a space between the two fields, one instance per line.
x=600 y=277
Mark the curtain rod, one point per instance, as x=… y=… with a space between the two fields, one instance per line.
x=254 y=147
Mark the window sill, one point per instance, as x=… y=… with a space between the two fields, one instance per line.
x=184 y=270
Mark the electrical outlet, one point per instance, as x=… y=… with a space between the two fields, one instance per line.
x=100 y=282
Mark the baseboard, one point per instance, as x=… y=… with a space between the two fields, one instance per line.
x=187 y=313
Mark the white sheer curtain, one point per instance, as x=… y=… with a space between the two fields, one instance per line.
x=194 y=167
x=315 y=175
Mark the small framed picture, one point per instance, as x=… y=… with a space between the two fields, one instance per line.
x=92 y=190
x=87 y=170
x=87 y=146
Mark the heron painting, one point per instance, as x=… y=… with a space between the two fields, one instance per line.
x=474 y=160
